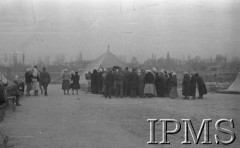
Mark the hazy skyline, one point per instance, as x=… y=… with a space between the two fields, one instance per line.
x=131 y=27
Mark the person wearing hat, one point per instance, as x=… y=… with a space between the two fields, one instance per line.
x=186 y=85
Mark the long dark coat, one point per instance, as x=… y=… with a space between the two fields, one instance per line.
x=94 y=82
x=193 y=85
x=133 y=80
x=201 y=86
x=141 y=85
x=149 y=78
x=75 y=84
x=162 y=85
x=99 y=81
x=186 y=86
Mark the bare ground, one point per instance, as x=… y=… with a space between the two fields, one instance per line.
x=91 y=121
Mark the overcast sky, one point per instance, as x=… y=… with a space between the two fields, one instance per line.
x=131 y=27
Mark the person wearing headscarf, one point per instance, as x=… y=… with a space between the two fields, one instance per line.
x=45 y=79
x=202 y=90
x=75 y=83
x=28 y=81
x=173 y=84
x=66 y=76
x=149 y=87
x=94 y=82
x=35 y=80
x=186 y=86
x=141 y=83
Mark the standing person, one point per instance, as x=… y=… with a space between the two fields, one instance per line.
x=162 y=83
x=141 y=83
x=40 y=82
x=103 y=80
x=118 y=83
x=28 y=81
x=133 y=83
x=88 y=78
x=94 y=82
x=149 y=87
x=168 y=87
x=35 y=80
x=75 y=83
x=45 y=79
x=173 y=84
x=109 y=84
x=16 y=82
x=66 y=76
x=193 y=85
x=202 y=90
x=186 y=86
x=100 y=80
x=126 y=74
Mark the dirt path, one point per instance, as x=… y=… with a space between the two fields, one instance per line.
x=90 y=121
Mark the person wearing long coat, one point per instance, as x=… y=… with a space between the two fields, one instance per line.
x=66 y=76
x=94 y=82
x=173 y=84
x=75 y=83
x=133 y=83
x=149 y=87
x=100 y=81
x=168 y=84
x=108 y=81
x=140 y=83
x=193 y=85
x=45 y=80
x=186 y=86
x=157 y=83
x=202 y=90
x=162 y=84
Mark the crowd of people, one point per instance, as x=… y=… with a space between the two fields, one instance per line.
x=37 y=80
x=143 y=83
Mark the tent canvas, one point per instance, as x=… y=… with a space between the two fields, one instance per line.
x=107 y=60
x=234 y=88
x=3 y=78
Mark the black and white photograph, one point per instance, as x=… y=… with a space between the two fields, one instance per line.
x=119 y=73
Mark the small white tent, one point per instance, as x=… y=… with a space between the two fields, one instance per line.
x=107 y=60
x=235 y=85
x=234 y=88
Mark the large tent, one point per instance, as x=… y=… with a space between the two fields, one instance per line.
x=234 y=88
x=3 y=79
x=107 y=60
